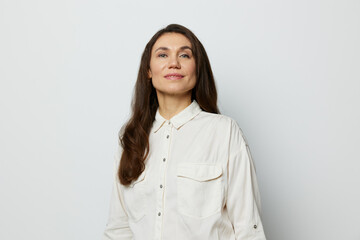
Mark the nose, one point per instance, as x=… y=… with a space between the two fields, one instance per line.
x=174 y=62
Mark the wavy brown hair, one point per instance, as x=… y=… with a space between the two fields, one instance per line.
x=134 y=136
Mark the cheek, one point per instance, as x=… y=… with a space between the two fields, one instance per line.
x=156 y=68
x=192 y=69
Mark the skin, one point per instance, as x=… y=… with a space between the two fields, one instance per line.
x=172 y=53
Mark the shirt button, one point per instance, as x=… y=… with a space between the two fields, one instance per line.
x=161 y=186
x=167 y=136
x=159 y=213
x=168 y=123
x=164 y=159
x=255 y=226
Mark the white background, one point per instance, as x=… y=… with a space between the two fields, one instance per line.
x=287 y=71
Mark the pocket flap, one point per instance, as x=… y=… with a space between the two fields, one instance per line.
x=199 y=172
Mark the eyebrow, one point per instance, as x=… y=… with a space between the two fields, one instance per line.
x=182 y=48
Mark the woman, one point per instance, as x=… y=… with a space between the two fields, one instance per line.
x=183 y=170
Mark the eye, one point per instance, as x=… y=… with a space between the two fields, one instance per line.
x=162 y=55
x=185 y=55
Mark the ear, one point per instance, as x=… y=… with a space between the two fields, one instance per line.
x=149 y=74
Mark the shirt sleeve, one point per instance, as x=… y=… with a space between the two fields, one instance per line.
x=117 y=227
x=243 y=198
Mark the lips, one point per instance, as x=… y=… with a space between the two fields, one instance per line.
x=173 y=76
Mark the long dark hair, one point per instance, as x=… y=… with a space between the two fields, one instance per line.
x=134 y=138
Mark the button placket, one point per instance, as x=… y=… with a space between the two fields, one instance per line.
x=167 y=131
x=162 y=176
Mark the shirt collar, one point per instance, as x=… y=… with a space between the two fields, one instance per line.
x=179 y=119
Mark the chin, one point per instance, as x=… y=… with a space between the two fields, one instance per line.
x=174 y=91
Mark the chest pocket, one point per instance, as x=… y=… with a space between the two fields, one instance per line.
x=199 y=189
x=134 y=198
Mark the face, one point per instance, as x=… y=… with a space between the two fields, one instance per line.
x=172 y=65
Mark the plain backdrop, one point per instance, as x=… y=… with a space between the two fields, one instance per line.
x=287 y=71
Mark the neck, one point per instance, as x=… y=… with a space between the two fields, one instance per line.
x=169 y=106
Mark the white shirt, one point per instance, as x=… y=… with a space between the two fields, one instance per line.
x=199 y=183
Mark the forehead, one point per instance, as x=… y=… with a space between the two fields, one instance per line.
x=172 y=41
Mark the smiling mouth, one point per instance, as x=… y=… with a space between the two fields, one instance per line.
x=173 y=76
